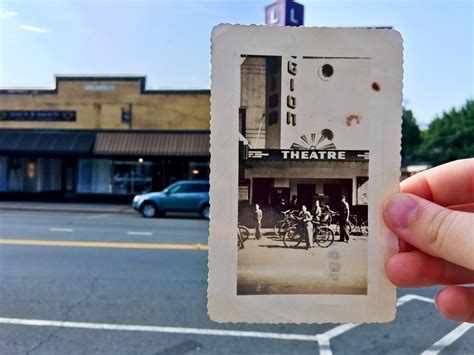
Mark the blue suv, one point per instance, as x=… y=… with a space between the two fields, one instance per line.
x=181 y=196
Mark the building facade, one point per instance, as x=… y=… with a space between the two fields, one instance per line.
x=100 y=137
x=294 y=148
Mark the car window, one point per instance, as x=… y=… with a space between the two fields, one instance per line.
x=198 y=188
x=179 y=188
x=189 y=188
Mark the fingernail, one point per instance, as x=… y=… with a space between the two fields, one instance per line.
x=399 y=209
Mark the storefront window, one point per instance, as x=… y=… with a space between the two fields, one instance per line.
x=362 y=190
x=94 y=176
x=14 y=175
x=30 y=174
x=106 y=176
x=132 y=177
x=198 y=170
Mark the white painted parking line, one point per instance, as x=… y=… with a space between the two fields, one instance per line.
x=326 y=337
x=448 y=339
x=323 y=339
x=139 y=233
x=407 y=298
x=324 y=344
x=67 y=230
x=156 y=329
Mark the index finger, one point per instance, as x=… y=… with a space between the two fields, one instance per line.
x=446 y=185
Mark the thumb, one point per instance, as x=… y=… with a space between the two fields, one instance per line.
x=433 y=229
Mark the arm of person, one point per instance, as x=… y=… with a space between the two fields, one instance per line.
x=434 y=221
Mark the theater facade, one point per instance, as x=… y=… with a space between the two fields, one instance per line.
x=294 y=146
x=100 y=138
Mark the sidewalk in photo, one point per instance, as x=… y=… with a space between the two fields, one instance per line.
x=65 y=207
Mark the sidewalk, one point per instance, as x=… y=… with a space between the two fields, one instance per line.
x=65 y=207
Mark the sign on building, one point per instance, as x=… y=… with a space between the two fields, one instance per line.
x=285 y=13
x=39 y=115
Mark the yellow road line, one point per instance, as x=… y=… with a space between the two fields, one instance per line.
x=64 y=243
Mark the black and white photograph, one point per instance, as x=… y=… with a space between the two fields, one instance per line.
x=302 y=225
x=305 y=148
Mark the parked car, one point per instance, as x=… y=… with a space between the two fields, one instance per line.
x=181 y=196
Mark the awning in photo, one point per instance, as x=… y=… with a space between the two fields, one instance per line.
x=194 y=144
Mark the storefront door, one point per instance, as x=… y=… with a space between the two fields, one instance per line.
x=261 y=189
x=305 y=194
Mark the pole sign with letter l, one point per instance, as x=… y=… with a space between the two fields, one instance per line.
x=284 y=13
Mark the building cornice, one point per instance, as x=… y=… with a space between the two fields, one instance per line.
x=100 y=78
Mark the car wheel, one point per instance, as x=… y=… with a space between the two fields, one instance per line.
x=149 y=210
x=205 y=212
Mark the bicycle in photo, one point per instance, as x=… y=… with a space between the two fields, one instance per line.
x=335 y=219
x=289 y=219
x=323 y=236
x=359 y=225
x=244 y=232
x=242 y=235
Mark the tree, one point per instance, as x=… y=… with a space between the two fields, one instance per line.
x=411 y=136
x=450 y=136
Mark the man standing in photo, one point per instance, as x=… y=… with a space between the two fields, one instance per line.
x=258 y=222
x=344 y=219
x=317 y=211
x=306 y=219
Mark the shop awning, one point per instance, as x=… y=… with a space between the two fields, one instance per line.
x=194 y=144
x=46 y=143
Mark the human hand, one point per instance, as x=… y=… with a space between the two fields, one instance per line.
x=434 y=221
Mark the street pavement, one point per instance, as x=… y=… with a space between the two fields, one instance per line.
x=91 y=298
x=262 y=267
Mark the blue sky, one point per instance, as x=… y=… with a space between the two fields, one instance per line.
x=168 y=41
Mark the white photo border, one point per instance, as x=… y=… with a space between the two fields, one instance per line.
x=229 y=42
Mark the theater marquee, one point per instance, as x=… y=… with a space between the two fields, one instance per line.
x=319 y=155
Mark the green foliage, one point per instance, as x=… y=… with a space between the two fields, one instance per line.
x=450 y=136
x=411 y=136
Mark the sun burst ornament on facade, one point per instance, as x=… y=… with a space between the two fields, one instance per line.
x=322 y=143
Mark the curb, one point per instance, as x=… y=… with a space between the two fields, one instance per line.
x=42 y=209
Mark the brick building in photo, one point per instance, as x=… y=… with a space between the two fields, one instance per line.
x=100 y=138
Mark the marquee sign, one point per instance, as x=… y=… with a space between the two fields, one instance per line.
x=307 y=155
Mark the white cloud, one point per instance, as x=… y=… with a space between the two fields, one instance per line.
x=6 y=14
x=33 y=29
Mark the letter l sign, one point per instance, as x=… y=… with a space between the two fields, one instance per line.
x=292 y=17
x=273 y=18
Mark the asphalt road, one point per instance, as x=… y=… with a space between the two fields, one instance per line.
x=153 y=301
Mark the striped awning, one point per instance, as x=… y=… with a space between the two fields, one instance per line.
x=153 y=144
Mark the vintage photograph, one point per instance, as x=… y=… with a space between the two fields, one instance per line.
x=305 y=148
x=302 y=218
